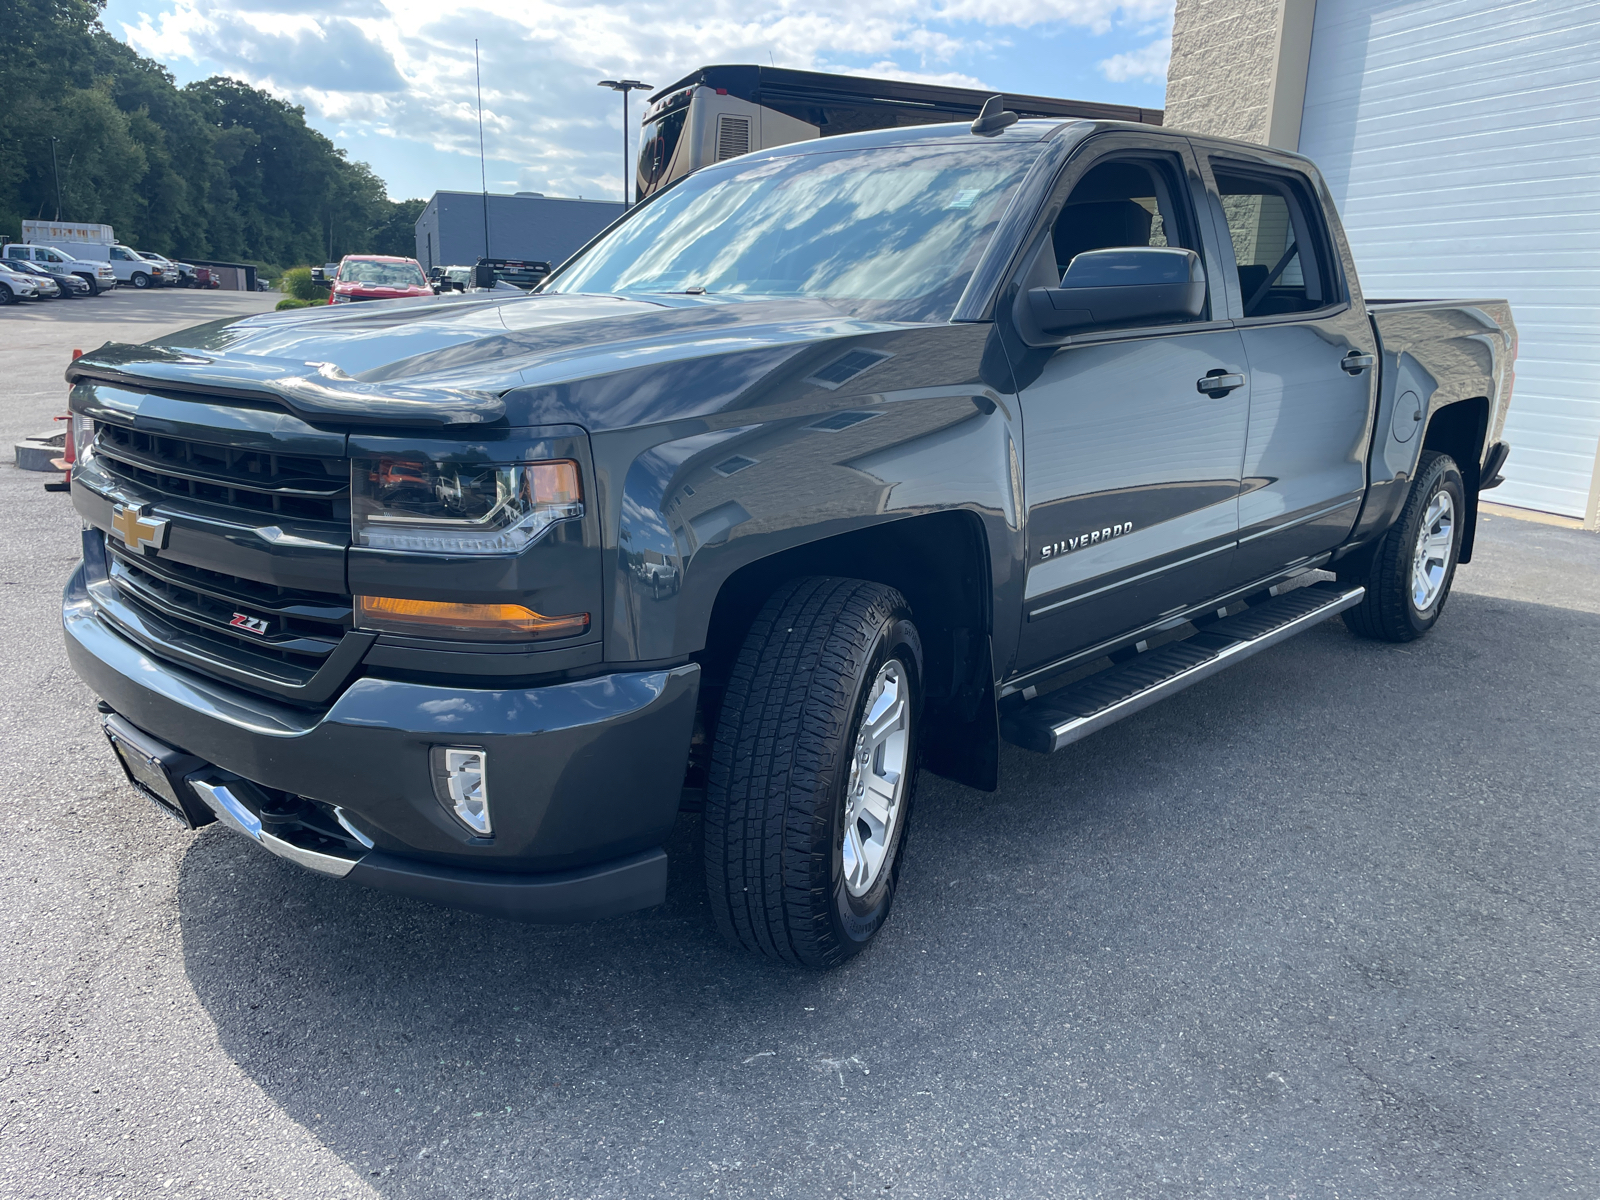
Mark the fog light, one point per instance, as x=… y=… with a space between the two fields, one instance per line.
x=461 y=781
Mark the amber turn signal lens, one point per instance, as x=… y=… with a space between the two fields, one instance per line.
x=482 y=622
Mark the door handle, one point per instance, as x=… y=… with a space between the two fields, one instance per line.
x=1218 y=382
x=1356 y=362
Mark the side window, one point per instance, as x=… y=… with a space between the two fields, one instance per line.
x=119 y=255
x=1116 y=204
x=1124 y=202
x=1278 y=243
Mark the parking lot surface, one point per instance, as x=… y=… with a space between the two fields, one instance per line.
x=1322 y=926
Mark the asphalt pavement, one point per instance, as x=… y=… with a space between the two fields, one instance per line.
x=1321 y=926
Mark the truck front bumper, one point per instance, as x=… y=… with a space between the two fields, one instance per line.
x=584 y=777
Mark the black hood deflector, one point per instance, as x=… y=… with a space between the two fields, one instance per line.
x=324 y=394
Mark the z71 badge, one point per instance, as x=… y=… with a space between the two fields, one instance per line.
x=253 y=624
x=1093 y=538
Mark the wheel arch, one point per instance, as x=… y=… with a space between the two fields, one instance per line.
x=1459 y=429
x=940 y=563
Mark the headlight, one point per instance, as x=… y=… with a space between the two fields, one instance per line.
x=435 y=507
x=82 y=429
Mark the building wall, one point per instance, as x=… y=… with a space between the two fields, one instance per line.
x=1461 y=140
x=1238 y=68
x=539 y=228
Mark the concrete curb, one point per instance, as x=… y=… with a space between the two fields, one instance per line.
x=34 y=453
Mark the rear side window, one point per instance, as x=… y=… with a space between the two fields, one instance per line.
x=1278 y=243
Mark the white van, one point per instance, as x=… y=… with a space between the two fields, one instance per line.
x=93 y=270
x=127 y=264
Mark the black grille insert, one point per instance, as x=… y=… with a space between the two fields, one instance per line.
x=296 y=628
x=313 y=489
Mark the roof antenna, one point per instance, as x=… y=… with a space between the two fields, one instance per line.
x=993 y=118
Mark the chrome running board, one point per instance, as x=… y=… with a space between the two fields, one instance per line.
x=1062 y=717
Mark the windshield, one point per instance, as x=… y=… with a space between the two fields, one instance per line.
x=383 y=274
x=891 y=233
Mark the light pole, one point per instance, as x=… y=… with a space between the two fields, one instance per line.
x=57 y=166
x=624 y=86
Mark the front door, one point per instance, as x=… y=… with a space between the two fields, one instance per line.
x=1132 y=472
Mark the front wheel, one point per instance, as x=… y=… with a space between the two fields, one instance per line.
x=813 y=770
x=1410 y=578
x=6 y=296
x=141 y=280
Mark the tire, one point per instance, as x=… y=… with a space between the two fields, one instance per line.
x=1407 y=590
x=6 y=296
x=94 y=285
x=784 y=766
x=140 y=280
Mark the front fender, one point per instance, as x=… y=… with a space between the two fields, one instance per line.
x=810 y=452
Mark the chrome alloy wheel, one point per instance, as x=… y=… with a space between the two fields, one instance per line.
x=877 y=779
x=1430 y=562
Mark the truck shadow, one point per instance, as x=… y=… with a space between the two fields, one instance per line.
x=1126 y=886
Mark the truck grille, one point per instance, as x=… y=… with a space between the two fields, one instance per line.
x=258 y=482
x=287 y=634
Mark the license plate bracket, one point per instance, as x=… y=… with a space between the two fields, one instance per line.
x=157 y=771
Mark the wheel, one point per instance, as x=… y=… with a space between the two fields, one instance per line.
x=813 y=770
x=94 y=286
x=140 y=279
x=1410 y=577
x=5 y=295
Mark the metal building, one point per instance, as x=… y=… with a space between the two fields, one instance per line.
x=1461 y=140
x=526 y=226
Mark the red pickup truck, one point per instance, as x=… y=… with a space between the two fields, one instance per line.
x=377 y=277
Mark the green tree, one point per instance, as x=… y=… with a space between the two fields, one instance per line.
x=217 y=169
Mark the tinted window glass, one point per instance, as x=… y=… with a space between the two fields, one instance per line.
x=655 y=156
x=1277 y=244
x=1124 y=203
x=892 y=233
x=381 y=274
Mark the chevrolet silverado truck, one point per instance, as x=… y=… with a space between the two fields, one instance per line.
x=827 y=463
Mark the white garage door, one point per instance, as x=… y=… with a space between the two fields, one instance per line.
x=1461 y=139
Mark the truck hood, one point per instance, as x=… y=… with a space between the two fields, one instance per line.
x=444 y=361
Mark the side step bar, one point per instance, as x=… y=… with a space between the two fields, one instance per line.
x=1059 y=718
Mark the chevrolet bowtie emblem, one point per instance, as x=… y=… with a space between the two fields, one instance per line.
x=137 y=531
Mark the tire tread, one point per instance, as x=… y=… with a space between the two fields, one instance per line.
x=775 y=762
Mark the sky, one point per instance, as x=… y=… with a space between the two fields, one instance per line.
x=391 y=81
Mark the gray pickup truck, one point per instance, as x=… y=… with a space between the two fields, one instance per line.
x=826 y=463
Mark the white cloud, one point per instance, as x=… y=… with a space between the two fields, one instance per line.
x=403 y=68
x=1148 y=63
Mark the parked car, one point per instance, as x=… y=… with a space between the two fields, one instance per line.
x=50 y=287
x=450 y=279
x=97 y=273
x=15 y=283
x=373 y=277
x=174 y=274
x=70 y=285
x=830 y=462
x=204 y=277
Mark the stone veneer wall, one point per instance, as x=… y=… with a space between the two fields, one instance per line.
x=1238 y=68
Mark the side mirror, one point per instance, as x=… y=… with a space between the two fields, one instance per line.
x=483 y=276
x=1131 y=285
x=318 y=275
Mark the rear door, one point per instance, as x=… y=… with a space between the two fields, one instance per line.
x=1132 y=473
x=1312 y=360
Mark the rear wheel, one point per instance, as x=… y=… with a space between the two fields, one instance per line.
x=813 y=771
x=1410 y=578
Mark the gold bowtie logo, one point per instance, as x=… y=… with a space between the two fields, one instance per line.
x=137 y=531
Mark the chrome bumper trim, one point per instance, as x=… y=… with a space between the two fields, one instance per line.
x=240 y=819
